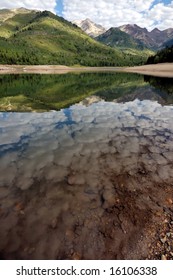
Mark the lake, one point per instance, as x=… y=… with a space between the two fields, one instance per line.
x=86 y=166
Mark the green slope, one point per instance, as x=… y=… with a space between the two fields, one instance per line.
x=44 y=38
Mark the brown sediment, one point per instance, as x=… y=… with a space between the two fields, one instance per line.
x=115 y=223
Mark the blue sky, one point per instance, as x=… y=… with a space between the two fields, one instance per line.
x=59 y=7
x=109 y=13
x=164 y=1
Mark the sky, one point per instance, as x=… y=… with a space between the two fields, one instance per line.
x=109 y=13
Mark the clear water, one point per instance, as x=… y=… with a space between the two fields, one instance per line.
x=63 y=172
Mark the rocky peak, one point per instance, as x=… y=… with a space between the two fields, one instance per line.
x=132 y=29
x=89 y=27
x=156 y=30
x=154 y=39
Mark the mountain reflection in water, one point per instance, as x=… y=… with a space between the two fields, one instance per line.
x=62 y=172
x=40 y=93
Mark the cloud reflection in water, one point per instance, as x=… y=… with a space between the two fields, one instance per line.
x=88 y=142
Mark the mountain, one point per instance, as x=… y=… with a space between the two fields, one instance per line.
x=90 y=28
x=34 y=37
x=138 y=38
x=131 y=47
x=114 y=37
x=152 y=39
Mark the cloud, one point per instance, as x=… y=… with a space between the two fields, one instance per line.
x=162 y=15
x=29 y=4
x=148 y=13
x=109 y=13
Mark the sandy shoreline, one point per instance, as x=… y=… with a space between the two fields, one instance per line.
x=51 y=69
x=160 y=70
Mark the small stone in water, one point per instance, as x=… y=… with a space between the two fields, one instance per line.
x=163 y=258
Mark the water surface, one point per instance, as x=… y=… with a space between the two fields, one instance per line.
x=27 y=92
x=86 y=181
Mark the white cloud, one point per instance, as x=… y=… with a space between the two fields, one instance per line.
x=29 y=4
x=162 y=14
x=148 y=13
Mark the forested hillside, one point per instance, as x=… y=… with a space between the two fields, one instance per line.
x=44 y=38
x=165 y=55
x=32 y=37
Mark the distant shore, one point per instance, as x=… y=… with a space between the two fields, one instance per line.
x=160 y=70
x=52 y=69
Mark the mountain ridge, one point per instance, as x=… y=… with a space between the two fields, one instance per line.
x=114 y=37
x=6 y=14
x=154 y=39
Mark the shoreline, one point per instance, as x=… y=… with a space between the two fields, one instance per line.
x=159 y=70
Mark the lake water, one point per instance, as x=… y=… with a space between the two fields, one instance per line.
x=83 y=181
x=40 y=93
